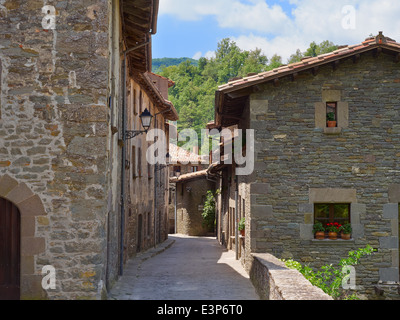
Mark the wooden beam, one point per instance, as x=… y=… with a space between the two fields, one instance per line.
x=244 y=92
x=314 y=70
x=276 y=82
x=397 y=58
x=294 y=76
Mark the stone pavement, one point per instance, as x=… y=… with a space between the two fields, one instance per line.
x=185 y=268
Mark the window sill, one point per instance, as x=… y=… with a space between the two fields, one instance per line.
x=332 y=242
x=333 y=131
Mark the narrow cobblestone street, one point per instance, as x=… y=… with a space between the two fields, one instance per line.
x=190 y=268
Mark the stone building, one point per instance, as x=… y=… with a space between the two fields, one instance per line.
x=62 y=132
x=189 y=185
x=147 y=184
x=306 y=171
x=187 y=202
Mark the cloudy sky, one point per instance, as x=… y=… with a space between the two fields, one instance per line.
x=193 y=28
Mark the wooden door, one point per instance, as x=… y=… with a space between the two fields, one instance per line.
x=9 y=251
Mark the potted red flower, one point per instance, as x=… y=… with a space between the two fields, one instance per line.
x=333 y=230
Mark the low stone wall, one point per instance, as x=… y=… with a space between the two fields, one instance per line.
x=274 y=281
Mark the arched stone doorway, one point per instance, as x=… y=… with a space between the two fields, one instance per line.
x=10 y=253
x=20 y=196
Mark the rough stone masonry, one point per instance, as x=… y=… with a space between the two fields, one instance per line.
x=55 y=140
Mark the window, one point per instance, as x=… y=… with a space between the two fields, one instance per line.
x=333 y=212
x=195 y=169
x=133 y=163
x=139 y=162
x=135 y=111
x=331 y=113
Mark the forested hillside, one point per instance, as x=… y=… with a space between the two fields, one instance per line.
x=195 y=85
x=161 y=63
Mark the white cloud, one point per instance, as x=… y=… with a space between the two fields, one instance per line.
x=269 y=27
x=197 y=55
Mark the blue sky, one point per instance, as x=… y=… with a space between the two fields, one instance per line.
x=193 y=28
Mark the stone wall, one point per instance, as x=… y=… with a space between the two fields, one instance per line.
x=190 y=200
x=146 y=218
x=273 y=281
x=55 y=138
x=297 y=159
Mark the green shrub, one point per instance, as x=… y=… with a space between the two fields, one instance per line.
x=329 y=278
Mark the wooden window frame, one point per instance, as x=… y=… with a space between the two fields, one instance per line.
x=332 y=213
x=335 y=107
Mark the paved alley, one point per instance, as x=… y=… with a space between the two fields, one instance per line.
x=192 y=268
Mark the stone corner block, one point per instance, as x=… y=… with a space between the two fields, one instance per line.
x=388 y=242
x=358 y=230
x=391 y=211
x=260 y=188
x=394 y=193
x=32 y=246
x=6 y=185
x=261 y=211
x=389 y=274
x=306 y=231
x=32 y=206
x=19 y=194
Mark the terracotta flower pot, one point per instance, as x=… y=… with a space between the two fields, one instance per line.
x=320 y=235
x=242 y=233
x=333 y=235
x=331 y=124
x=346 y=236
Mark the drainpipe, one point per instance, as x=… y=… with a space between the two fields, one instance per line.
x=122 y=227
x=176 y=209
x=236 y=220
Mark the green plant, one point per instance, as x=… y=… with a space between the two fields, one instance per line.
x=330 y=278
x=242 y=224
x=330 y=116
x=208 y=213
x=318 y=227
x=346 y=229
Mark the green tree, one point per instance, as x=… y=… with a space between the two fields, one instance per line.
x=209 y=210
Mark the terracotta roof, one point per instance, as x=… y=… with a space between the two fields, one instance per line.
x=189 y=176
x=162 y=104
x=170 y=82
x=310 y=62
x=180 y=155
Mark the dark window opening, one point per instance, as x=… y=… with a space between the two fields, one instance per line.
x=331 y=114
x=330 y=213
